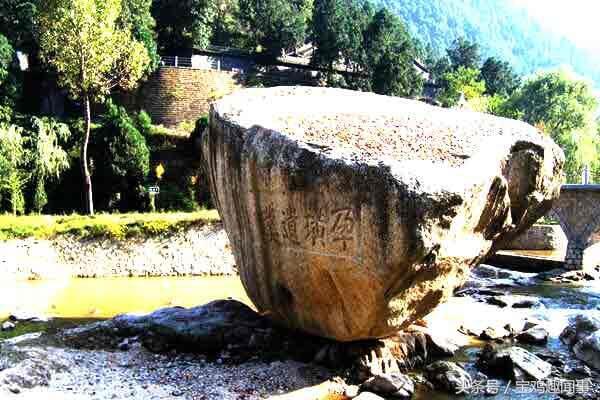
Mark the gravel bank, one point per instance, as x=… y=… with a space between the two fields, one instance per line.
x=139 y=375
x=195 y=251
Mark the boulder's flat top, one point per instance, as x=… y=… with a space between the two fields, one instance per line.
x=369 y=126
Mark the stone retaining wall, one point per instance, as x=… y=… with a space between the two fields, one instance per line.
x=174 y=95
x=540 y=237
x=197 y=251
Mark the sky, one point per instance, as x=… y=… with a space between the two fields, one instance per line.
x=578 y=20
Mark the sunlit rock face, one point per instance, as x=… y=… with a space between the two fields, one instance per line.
x=351 y=214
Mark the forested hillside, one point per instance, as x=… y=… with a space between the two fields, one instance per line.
x=499 y=27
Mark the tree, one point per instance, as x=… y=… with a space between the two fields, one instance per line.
x=183 y=24
x=272 y=25
x=9 y=82
x=499 y=77
x=92 y=55
x=465 y=81
x=563 y=107
x=390 y=54
x=48 y=160
x=13 y=159
x=464 y=53
x=17 y=23
x=136 y=15
x=333 y=31
x=121 y=160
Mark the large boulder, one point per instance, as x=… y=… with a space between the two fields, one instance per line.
x=352 y=215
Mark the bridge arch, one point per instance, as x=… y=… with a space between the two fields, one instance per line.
x=578 y=212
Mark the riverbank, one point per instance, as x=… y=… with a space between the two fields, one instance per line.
x=226 y=351
x=198 y=249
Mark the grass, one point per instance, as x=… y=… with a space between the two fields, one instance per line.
x=117 y=226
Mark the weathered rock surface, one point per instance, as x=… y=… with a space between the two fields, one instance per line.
x=534 y=335
x=352 y=215
x=448 y=376
x=513 y=363
x=583 y=336
x=396 y=385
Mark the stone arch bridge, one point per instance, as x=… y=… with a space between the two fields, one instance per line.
x=578 y=212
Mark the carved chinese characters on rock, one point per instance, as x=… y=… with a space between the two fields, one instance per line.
x=325 y=230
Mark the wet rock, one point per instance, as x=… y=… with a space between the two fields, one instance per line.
x=493 y=333
x=514 y=301
x=352 y=215
x=401 y=352
x=124 y=345
x=397 y=385
x=534 y=335
x=513 y=363
x=588 y=350
x=448 y=376
x=208 y=328
x=579 y=327
x=8 y=326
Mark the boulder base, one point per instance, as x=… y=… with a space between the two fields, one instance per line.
x=351 y=215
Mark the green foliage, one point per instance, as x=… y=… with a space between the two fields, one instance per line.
x=121 y=161
x=48 y=158
x=466 y=81
x=338 y=27
x=499 y=77
x=183 y=24
x=564 y=108
x=389 y=54
x=9 y=80
x=376 y=47
x=136 y=15
x=144 y=123
x=173 y=198
x=116 y=226
x=272 y=25
x=82 y=40
x=18 y=23
x=465 y=54
x=501 y=28
x=13 y=160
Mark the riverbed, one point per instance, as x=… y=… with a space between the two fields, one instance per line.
x=68 y=302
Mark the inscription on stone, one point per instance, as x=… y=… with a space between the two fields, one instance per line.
x=327 y=230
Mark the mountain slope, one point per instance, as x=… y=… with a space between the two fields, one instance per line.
x=500 y=28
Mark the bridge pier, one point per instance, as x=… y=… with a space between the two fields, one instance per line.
x=574 y=255
x=578 y=212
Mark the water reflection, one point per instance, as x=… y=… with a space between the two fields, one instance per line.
x=105 y=298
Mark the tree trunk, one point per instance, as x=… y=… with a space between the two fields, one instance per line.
x=87 y=178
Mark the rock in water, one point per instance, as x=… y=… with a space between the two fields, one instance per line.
x=352 y=214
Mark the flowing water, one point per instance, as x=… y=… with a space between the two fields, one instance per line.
x=72 y=301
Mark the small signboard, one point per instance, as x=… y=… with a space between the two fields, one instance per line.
x=153 y=189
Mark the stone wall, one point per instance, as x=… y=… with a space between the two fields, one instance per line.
x=192 y=252
x=540 y=237
x=173 y=95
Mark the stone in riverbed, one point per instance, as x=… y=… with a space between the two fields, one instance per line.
x=396 y=385
x=351 y=215
x=580 y=327
x=448 y=376
x=583 y=336
x=588 y=350
x=534 y=335
x=513 y=363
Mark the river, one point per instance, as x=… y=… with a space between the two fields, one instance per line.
x=73 y=301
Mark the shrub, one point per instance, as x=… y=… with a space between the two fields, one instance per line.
x=120 y=160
